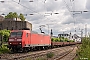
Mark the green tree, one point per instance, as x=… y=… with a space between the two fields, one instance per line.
x=62 y=39
x=21 y=16
x=10 y=15
x=15 y=15
x=5 y=34
x=66 y=39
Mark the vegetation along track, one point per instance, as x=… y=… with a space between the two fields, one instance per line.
x=34 y=55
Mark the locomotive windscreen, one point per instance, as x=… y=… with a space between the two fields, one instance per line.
x=16 y=34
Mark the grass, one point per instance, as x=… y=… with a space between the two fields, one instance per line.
x=50 y=55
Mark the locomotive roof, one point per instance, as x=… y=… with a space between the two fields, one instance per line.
x=38 y=33
x=28 y=31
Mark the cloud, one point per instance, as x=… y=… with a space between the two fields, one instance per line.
x=44 y=13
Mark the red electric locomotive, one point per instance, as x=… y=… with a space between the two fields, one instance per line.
x=23 y=40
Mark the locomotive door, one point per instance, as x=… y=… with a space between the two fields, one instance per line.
x=27 y=39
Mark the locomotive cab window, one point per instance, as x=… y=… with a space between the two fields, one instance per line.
x=16 y=34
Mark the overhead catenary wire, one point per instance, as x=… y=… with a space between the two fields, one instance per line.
x=27 y=8
x=69 y=7
x=73 y=9
x=66 y=5
x=72 y=14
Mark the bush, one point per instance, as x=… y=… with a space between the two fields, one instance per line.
x=52 y=39
x=71 y=41
x=5 y=38
x=4 y=49
x=66 y=39
x=84 y=50
x=55 y=39
x=62 y=39
x=5 y=34
x=50 y=55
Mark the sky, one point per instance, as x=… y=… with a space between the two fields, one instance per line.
x=57 y=15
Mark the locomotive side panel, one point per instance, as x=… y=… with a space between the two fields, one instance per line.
x=34 y=39
x=47 y=40
x=40 y=40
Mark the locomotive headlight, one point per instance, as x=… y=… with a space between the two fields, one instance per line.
x=11 y=39
x=19 y=39
x=19 y=43
x=10 y=43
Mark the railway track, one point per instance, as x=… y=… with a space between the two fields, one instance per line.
x=59 y=52
x=69 y=55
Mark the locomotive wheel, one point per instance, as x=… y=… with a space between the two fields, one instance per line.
x=25 y=49
x=39 y=48
x=14 y=51
x=20 y=50
x=46 y=47
x=42 y=47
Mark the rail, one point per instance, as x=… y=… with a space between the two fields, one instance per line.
x=60 y=53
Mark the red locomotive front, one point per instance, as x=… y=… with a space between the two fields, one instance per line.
x=15 y=40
